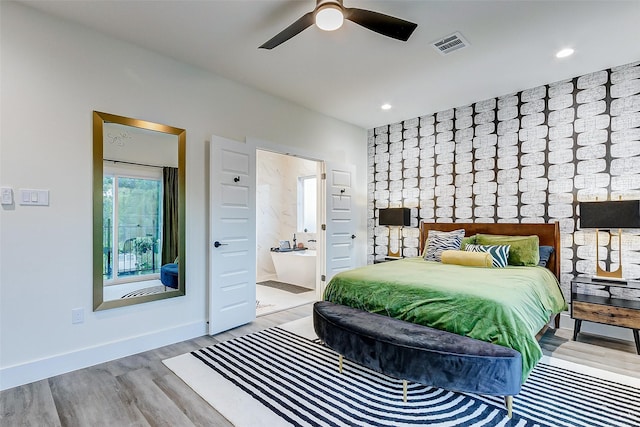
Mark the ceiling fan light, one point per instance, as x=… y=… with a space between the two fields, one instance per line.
x=329 y=17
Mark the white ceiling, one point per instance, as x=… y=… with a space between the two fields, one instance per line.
x=349 y=73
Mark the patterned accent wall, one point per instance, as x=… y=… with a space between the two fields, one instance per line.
x=524 y=157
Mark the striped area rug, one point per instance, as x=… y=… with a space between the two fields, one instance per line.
x=146 y=291
x=276 y=377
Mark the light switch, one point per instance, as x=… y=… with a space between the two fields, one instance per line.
x=7 y=195
x=34 y=197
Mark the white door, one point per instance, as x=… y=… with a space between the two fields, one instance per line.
x=340 y=236
x=232 y=231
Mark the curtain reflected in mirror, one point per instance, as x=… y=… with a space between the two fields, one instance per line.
x=170 y=215
x=139 y=211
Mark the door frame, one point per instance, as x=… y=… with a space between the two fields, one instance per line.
x=321 y=216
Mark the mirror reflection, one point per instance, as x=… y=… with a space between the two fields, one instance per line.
x=138 y=211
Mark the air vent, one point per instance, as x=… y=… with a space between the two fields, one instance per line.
x=450 y=43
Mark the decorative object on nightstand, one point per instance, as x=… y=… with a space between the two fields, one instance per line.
x=395 y=219
x=609 y=215
x=593 y=300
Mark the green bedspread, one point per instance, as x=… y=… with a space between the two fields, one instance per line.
x=505 y=306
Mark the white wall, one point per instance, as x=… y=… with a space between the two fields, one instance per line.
x=54 y=74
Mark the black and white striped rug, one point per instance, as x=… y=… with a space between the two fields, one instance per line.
x=276 y=377
x=146 y=291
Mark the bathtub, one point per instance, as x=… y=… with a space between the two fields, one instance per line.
x=296 y=267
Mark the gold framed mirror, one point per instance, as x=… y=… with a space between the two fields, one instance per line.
x=139 y=178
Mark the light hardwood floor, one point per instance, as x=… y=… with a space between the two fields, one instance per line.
x=140 y=391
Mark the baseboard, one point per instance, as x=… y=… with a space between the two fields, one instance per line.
x=16 y=375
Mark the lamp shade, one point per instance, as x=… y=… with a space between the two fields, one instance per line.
x=395 y=216
x=610 y=214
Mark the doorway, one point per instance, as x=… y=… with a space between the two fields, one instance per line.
x=287 y=205
x=232 y=223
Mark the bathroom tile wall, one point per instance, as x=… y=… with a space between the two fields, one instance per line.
x=276 y=204
x=529 y=156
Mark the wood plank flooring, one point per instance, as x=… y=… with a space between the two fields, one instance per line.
x=140 y=391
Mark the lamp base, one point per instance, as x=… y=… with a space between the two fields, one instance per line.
x=604 y=274
x=392 y=254
x=609 y=274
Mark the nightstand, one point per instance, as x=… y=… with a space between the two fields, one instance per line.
x=593 y=300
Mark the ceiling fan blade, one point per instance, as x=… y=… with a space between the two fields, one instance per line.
x=294 y=29
x=380 y=23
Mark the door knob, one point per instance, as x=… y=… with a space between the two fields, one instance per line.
x=218 y=244
x=353 y=236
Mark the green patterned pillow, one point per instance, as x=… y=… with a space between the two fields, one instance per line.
x=524 y=249
x=499 y=253
x=470 y=240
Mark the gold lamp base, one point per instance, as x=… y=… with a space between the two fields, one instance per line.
x=393 y=254
x=617 y=274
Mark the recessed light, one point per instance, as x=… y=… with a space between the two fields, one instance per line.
x=386 y=106
x=564 y=53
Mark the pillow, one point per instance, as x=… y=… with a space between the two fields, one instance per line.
x=472 y=259
x=499 y=253
x=471 y=240
x=524 y=249
x=465 y=241
x=545 y=253
x=438 y=241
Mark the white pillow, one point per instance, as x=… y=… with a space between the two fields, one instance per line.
x=438 y=241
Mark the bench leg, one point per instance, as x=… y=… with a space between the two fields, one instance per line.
x=508 y=400
x=404 y=391
x=340 y=363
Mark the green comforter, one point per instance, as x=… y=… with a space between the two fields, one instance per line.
x=505 y=306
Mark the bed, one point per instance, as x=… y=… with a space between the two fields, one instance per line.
x=506 y=306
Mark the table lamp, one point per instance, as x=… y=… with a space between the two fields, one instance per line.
x=395 y=218
x=608 y=215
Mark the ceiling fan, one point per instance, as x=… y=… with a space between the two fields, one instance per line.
x=329 y=15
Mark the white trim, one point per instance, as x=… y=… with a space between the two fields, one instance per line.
x=125 y=170
x=261 y=144
x=24 y=373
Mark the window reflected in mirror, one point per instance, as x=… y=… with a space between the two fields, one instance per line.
x=138 y=211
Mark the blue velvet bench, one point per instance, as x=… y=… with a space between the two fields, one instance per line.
x=418 y=353
x=169 y=275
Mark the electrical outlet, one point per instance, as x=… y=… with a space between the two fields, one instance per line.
x=77 y=315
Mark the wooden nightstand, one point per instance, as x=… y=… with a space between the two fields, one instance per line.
x=605 y=307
